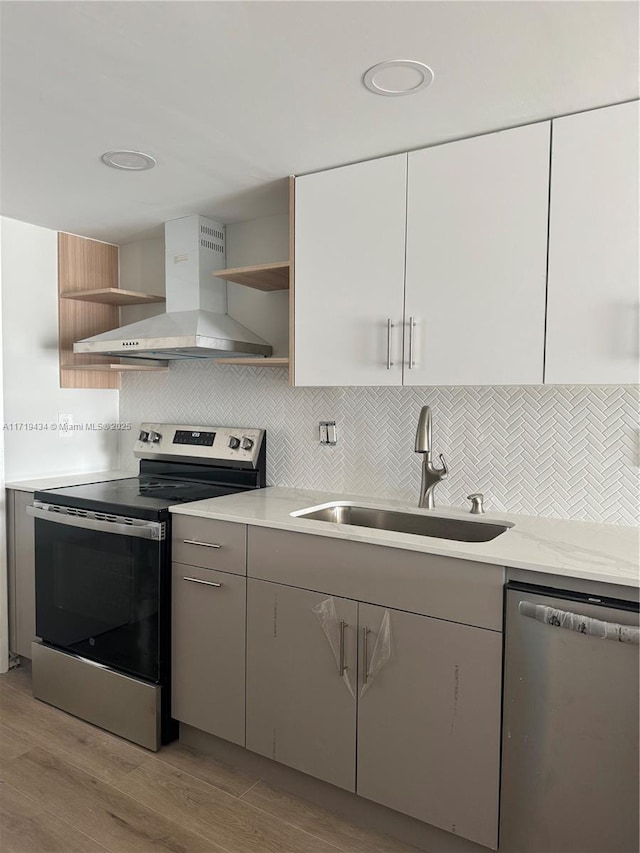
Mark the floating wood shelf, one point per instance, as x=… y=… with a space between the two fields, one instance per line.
x=112 y=296
x=254 y=362
x=266 y=277
x=114 y=367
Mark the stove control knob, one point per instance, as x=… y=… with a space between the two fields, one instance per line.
x=234 y=443
x=154 y=437
x=247 y=443
x=144 y=435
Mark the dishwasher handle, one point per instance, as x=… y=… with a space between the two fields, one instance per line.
x=580 y=624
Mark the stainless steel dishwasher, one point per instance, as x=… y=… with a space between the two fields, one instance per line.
x=570 y=726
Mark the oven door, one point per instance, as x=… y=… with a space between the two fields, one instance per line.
x=98 y=585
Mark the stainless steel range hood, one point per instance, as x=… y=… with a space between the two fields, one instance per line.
x=196 y=324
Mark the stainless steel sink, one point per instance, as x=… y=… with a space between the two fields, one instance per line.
x=341 y=512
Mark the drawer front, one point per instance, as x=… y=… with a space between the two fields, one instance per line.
x=209 y=544
x=428 y=584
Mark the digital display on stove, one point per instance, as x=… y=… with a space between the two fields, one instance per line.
x=203 y=439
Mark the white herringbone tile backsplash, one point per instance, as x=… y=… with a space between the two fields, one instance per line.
x=563 y=451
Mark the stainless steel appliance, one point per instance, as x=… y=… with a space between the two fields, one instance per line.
x=570 y=733
x=196 y=324
x=103 y=569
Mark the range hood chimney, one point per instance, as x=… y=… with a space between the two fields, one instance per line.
x=196 y=323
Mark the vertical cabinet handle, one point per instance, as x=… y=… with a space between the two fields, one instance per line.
x=389 y=336
x=412 y=324
x=365 y=656
x=341 y=663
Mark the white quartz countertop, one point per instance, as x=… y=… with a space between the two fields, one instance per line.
x=62 y=480
x=606 y=553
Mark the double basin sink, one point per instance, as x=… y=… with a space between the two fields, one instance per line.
x=344 y=512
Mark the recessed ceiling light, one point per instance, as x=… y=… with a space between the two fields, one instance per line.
x=130 y=161
x=398 y=77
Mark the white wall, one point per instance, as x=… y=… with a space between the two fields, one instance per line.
x=32 y=393
x=142 y=268
x=260 y=241
x=4 y=609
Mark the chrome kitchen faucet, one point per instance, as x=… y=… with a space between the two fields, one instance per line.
x=430 y=476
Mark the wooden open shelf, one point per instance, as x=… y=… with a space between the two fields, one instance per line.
x=112 y=296
x=269 y=277
x=254 y=362
x=266 y=277
x=88 y=304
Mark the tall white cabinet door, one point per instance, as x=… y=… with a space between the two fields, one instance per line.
x=349 y=274
x=476 y=260
x=592 y=319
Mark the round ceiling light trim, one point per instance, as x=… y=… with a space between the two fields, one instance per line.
x=398 y=77
x=128 y=161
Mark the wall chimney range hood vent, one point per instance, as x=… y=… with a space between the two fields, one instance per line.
x=196 y=323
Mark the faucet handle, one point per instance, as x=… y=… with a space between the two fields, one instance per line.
x=477 y=503
x=445 y=469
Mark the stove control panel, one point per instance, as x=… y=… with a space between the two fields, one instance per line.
x=210 y=444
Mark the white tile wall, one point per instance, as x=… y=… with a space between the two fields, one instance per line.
x=563 y=451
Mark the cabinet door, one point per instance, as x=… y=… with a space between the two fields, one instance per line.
x=476 y=260
x=592 y=319
x=349 y=274
x=208 y=650
x=429 y=721
x=22 y=574
x=300 y=710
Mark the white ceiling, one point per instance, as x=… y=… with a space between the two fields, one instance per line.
x=231 y=97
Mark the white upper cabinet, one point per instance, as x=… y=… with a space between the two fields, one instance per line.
x=469 y=221
x=349 y=272
x=476 y=260
x=592 y=315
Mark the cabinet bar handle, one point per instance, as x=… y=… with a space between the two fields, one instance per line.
x=341 y=664
x=365 y=656
x=204 y=583
x=204 y=544
x=389 y=333
x=412 y=324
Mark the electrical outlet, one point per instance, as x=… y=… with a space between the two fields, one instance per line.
x=328 y=432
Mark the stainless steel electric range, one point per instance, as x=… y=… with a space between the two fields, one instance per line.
x=103 y=576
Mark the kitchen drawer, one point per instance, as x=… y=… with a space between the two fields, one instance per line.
x=209 y=544
x=428 y=584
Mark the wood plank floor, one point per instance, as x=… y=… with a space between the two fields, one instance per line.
x=68 y=787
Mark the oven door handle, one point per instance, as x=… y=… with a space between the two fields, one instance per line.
x=133 y=527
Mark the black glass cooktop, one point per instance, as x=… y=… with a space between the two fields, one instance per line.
x=146 y=496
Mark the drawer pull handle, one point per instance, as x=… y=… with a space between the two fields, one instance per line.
x=203 y=544
x=204 y=583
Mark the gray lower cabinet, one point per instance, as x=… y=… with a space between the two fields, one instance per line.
x=300 y=709
x=421 y=694
x=429 y=720
x=21 y=573
x=208 y=650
